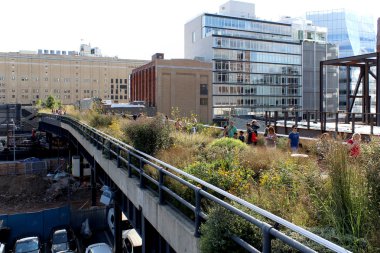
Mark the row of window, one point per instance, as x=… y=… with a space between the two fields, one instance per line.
x=259 y=101
x=65 y=80
x=255 y=45
x=257 y=67
x=222 y=77
x=249 y=56
x=244 y=24
x=258 y=90
x=117 y=97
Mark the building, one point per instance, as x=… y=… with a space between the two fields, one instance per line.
x=355 y=35
x=178 y=83
x=27 y=77
x=315 y=49
x=256 y=64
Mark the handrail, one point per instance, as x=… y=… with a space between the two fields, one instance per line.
x=250 y=206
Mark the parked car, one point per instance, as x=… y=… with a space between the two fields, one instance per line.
x=132 y=242
x=30 y=160
x=99 y=248
x=28 y=244
x=63 y=239
x=2 y=248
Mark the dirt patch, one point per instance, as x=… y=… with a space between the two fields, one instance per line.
x=27 y=193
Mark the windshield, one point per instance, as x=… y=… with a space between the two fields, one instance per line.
x=60 y=238
x=27 y=246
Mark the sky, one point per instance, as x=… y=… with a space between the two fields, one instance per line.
x=131 y=29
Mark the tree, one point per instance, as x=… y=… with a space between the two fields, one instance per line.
x=51 y=102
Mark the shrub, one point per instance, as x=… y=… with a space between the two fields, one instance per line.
x=148 y=135
x=220 y=226
x=99 y=120
x=347 y=206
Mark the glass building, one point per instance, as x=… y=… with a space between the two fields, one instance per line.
x=355 y=35
x=257 y=65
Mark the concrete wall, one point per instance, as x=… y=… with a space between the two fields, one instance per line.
x=171 y=225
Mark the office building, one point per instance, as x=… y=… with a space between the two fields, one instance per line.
x=315 y=49
x=27 y=77
x=178 y=83
x=355 y=35
x=256 y=64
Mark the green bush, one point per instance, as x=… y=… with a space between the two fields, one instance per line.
x=100 y=120
x=148 y=135
x=220 y=226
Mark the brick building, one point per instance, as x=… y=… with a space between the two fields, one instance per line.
x=177 y=83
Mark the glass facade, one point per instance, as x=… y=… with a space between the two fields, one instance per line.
x=355 y=35
x=256 y=65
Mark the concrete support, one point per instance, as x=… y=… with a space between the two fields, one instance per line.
x=117 y=246
x=93 y=184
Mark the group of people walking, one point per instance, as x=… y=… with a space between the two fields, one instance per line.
x=270 y=136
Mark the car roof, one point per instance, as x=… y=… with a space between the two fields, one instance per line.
x=61 y=231
x=27 y=239
x=133 y=237
x=97 y=247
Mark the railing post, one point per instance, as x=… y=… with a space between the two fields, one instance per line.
x=308 y=119
x=321 y=120
x=267 y=239
x=142 y=184
x=266 y=117
x=197 y=221
x=118 y=156
x=109 y=150
x=285 y=122
x=275 y=120
x=129 y=165
x=371 y=121
x=160 y=184
x=353 y=122
x=336 y=121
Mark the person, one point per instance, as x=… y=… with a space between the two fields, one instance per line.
x=255 y=126
x=323 y=146
x=249 y=133
x=266 y=130
x=294 y=139
x=178 y=125
x=241 y=136
x=235 y=135
x=354 y=145
x=231 y=130
x=271 y=138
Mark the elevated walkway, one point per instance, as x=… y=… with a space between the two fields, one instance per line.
x=152 y=196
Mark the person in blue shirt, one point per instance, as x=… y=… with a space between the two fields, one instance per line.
x=294 y=139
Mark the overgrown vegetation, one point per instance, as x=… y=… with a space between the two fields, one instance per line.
x=329 y=193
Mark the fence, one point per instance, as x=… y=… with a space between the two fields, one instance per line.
x=21 y=168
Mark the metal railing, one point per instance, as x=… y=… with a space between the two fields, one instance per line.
x=134 y=162
x=318 y=120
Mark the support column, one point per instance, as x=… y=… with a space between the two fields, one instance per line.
x=93 y=184
x=348 y=94
x=377 y=89
x=118 y=247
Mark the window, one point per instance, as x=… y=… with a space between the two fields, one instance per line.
x=204 y=101
x=203 y=89
x=193 y=37
x=111 y=80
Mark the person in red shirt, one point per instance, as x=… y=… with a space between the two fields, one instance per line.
x=354 y=145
